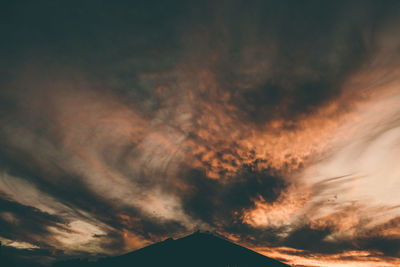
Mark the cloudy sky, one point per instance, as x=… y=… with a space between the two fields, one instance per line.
x=273 y=123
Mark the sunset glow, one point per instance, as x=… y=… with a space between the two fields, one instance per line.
x=273 y=123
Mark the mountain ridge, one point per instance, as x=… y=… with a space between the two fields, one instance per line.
x=197 y=249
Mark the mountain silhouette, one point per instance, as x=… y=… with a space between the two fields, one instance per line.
x=198 y=249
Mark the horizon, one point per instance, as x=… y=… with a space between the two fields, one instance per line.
x=214 y=249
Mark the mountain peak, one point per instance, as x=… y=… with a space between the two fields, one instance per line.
x=196 y=249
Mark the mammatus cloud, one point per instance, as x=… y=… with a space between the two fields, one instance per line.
x=274 y=124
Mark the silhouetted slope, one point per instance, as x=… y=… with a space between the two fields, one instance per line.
x=198 y=249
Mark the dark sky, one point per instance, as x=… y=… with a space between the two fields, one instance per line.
x=273 y=123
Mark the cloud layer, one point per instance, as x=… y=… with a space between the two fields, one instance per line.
x=272 y=123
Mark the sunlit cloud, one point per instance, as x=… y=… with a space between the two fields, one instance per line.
x=280 y=134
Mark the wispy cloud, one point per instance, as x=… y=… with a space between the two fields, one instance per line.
x=273 y=123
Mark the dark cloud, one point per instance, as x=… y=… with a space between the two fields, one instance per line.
x=301 y=53
x=24 y=223
x=28 y=257
x=107 y=106
x=216 y=202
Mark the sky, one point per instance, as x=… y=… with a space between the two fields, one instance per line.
x=273 y=123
